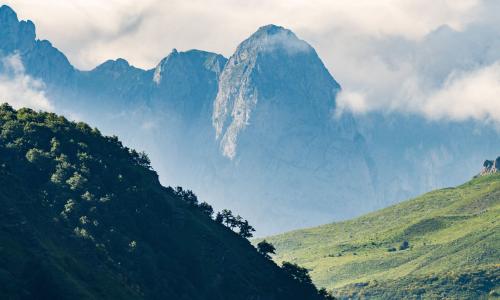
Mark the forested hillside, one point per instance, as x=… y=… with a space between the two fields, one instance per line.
x=83 y=217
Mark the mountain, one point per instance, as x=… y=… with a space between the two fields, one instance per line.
x=278 y=76
x=40 y=58
x=274 y=119
x=84 y=217
x=259 y=132
x=286 y=142
x=443 y=244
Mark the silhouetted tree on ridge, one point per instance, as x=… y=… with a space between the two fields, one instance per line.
x=265 y=248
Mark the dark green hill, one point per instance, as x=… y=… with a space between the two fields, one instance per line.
x=452 y=247
x=83 y=217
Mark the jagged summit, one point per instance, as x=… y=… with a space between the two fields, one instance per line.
x=271 y=29
x=7 y=12
x=272 y=66
x=113 y=64
x=186 y=61
x=15 y=35
x=186 y=82
x=39 y=57
x=271 y=38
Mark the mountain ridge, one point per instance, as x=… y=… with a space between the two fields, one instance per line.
x=185 y=93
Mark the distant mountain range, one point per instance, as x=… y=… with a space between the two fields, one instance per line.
x=441 y=245
x=257 y=132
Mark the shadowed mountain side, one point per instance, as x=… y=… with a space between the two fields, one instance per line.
x=84 y=217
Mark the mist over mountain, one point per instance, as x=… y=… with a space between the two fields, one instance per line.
x=258 y=132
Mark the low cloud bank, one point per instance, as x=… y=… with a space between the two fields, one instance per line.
x=464 y=95
x=19 y=89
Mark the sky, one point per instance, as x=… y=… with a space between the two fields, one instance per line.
x=435 y=58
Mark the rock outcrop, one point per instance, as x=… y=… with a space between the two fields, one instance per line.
x=491 y=166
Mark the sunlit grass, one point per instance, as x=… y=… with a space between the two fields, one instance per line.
x=448 y=230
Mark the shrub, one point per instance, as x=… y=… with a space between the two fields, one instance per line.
x=404 y=245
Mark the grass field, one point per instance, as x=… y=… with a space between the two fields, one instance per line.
x=453 y=247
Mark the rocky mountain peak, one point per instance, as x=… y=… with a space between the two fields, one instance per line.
x=187 y=62
x=7 y=14
x=270 y=31
x=119 y=64
x=276 y=68
x=272 y=38
x=15 y=35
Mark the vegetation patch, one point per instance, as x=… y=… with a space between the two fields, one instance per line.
x=415 y=249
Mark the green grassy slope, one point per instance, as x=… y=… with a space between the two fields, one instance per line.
x=83 y=217
x=452 y=233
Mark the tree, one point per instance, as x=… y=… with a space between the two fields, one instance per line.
x=323 y=293
x=144 y=160
x=297 y=272
x=236 y=221
x=227 y=217
x=141 y=158
x=206 y=209
x=76 y=182
x=246 y=230
x=179 y=191
x=39 y=158
x=219 y=218
x=265 y=249
x=404 y=245
x=190 y=198
x=187 y=196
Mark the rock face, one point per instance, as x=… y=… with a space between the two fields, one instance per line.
x=274 y=119
x=16 y=36
x=491 y=166
x=182 y=77
x=276 y=70
x=40 y=58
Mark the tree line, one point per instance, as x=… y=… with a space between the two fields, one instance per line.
x=224 y=217
x=241 y=226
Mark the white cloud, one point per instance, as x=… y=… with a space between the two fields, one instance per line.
x=91 y=31
x=467 y=95
x=19 y=89
x=388 y=55
x=464 y=95
x=285 y=40
x=352 y=101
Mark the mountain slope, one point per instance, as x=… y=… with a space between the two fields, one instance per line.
x=258 y=133
x=83 y=217
x=223 y=126
x=453 y=240
x=274 y=120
